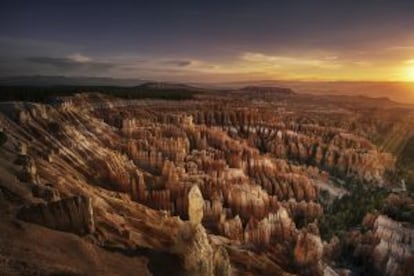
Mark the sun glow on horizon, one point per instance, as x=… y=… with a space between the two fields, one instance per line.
x=410 y=73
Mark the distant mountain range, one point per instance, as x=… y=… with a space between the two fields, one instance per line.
x=402 y=92
x=70 y=81
x=268 y=90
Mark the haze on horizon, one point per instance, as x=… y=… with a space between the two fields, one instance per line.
x=209 y=41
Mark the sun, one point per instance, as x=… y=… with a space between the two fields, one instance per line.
x=410 y=73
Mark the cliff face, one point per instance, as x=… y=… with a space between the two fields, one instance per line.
x=222 y=188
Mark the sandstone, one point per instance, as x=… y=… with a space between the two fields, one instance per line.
x=195 y=249
x=308 y=253
x=195 y=205
x=387 y=247
x=222 y=266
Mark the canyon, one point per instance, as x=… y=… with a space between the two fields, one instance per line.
x=236 y=182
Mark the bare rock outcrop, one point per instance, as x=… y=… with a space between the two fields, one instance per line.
x=195 y=249
x=387 y=247
x=195 y=205
x=198 y=254
x=73 y=214
x=222 y=266
x=308 y=253
x=45 y=192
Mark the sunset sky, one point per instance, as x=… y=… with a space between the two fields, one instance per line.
x=209 y=40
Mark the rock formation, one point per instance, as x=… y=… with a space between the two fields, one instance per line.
x=308 y=253
x=218 y=185
x=195 y=206
x=74 y=214
x=387 y=247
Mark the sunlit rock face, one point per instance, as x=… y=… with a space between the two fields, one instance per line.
x=222 y=187
x=195 y=206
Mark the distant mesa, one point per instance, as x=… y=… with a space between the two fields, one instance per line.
x=268 y=89
x=166 y=86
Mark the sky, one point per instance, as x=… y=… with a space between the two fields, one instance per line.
x=209 y=41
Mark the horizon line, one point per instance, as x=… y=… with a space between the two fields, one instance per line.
x=210 y=82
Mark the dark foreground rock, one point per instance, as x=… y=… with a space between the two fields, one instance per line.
x=74 y=214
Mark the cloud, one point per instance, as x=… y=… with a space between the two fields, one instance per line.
x=329 y=62
x=362 y=63
x=178 y=62
x=79 y=58
x=72 y=62
x=21 y=47
x=401 y=48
